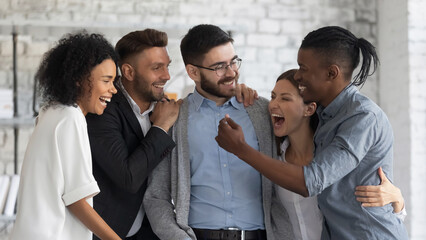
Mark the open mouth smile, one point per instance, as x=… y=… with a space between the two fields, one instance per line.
x=105 y=100
x=277 y=120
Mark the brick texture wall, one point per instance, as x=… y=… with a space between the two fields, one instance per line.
x=267 y=35
x=417 y=98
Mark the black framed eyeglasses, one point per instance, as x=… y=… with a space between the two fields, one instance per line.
x=221 y=69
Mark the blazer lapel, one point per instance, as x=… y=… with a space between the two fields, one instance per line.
x=127 y=111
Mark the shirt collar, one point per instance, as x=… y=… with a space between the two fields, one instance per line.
x=132 y=103
x=198 y=100
x=331 y=110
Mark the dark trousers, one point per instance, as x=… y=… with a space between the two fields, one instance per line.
x=144 y=233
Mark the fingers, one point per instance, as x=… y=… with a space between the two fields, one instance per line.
x=382 y=175
x=256 y=96
x=366 y=188
x=245 y=94
x=367 y=200
x=372 y=204
x=231 y=122
x=371 y=192
x=250 y=100
x=238 y=93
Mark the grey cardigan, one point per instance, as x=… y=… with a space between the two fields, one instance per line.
x=167 y=198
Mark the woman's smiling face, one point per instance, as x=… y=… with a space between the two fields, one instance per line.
x=286 y=107
x=98 y=89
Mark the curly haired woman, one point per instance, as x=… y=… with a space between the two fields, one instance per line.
x=56 y=189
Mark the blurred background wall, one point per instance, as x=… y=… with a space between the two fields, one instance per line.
x=267 y=35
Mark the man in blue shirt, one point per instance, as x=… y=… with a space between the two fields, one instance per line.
x=201 y=191
x=353 y=139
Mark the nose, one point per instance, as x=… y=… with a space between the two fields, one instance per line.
x=229 y=72
x=112 y=89
x=272 y=104
x=297 y=76
x=166 y=75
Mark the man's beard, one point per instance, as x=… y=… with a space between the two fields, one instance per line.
x=144 y=90
x=214 y=88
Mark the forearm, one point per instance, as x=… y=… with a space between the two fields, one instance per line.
x=90 y=218
x=286 y=175
x=126 y=162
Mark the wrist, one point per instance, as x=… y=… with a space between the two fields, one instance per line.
x=163 y=127
x=243 y=151
x=398 y=205
x=165 y=130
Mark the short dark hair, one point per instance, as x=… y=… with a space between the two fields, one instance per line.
x=64 y=67
x=313 y=120
x=135 y=42
x=339 y=46
x=199 y=40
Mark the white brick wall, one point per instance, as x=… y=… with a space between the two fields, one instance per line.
x=267 y=35
x=417 y=78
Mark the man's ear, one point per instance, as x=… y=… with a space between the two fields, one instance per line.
x=193 y=72
x=310 y=109
x=127 y=71
x=333 y=72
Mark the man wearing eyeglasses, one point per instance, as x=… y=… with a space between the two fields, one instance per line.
x=201 y=191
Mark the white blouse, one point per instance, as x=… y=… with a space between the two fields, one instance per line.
x=56 y=172
x=304 y=214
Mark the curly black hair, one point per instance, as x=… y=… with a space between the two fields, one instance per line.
x=69 y=63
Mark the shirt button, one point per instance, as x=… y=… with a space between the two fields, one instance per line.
x=224 y=165
x=228 y=193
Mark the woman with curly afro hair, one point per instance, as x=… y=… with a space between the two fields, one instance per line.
x=57 y=186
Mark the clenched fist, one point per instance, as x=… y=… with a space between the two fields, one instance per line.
x=165 y=113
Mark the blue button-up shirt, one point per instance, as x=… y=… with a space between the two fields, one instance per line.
x=225 y=191
x=354 y=138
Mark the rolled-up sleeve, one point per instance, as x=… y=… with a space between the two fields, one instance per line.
x=338 y=155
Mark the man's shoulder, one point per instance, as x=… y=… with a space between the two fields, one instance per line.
x=115 y=109
x=259 y=105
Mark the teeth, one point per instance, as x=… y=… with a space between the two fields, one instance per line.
x=276 y=115
x=105 y=99
x=228 y=83
x=159 y=86
x=302 y=88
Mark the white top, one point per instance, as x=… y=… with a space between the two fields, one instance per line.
x=145 y=123
x=304 y=214
x=56 y=172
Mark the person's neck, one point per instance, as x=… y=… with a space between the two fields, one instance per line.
x=334 y=92
x=218 y=100
x=142 y=103
x=301 y=146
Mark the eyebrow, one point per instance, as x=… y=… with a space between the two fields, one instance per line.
x=161 y=63
x=223 y=62
x=281 y=94
x=106 y=76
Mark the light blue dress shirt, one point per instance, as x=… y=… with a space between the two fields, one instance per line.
x=354 y=138
x=225 y=191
